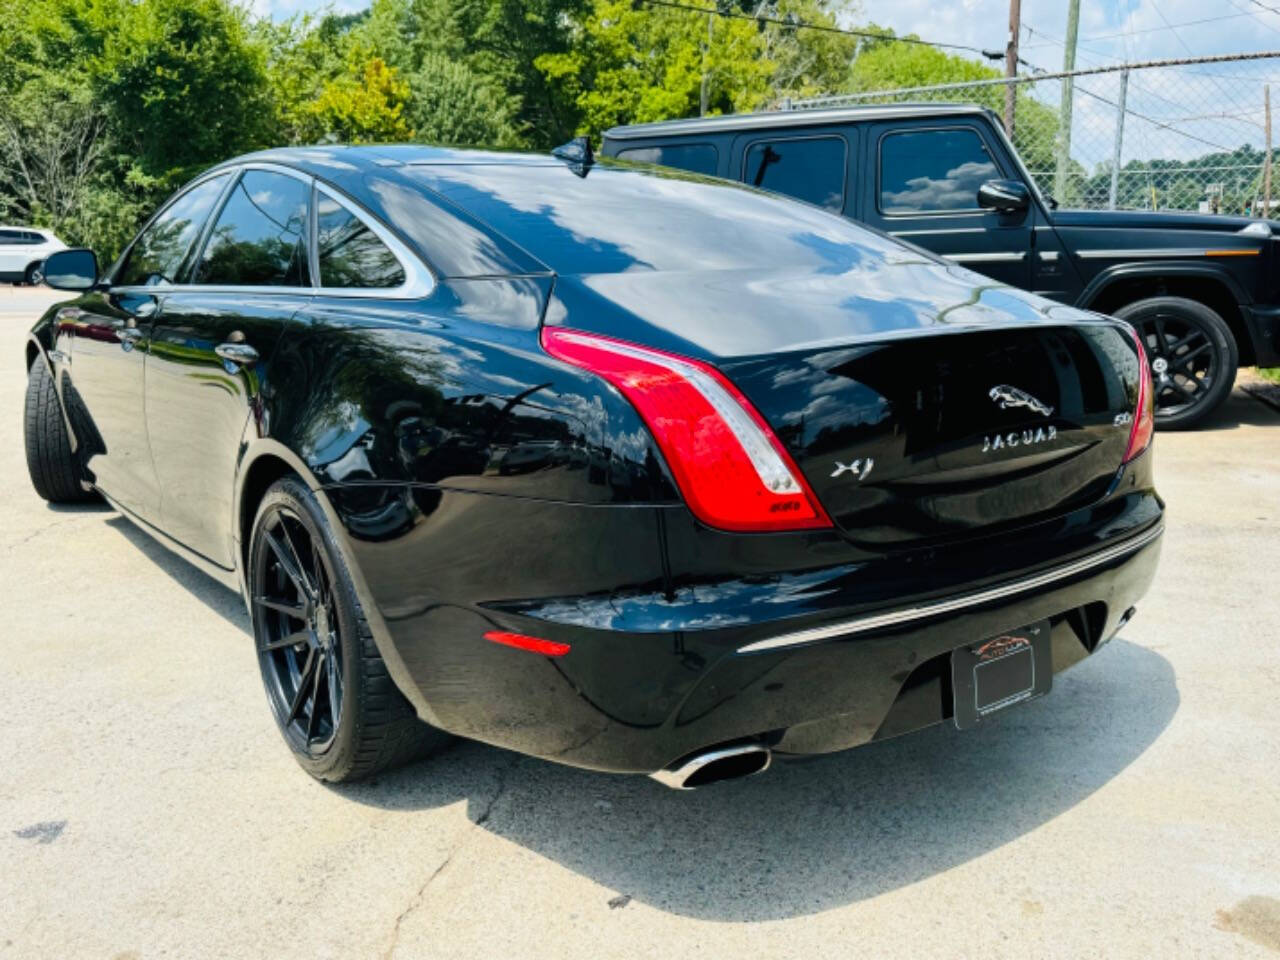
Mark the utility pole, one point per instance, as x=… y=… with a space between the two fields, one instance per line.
x=1068 y=91
x=1011 y=64
x=705 y=94
x=1266 y=163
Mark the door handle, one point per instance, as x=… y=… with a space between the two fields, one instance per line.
x=239 y=353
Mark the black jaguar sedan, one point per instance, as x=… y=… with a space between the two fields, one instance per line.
x=620 y=467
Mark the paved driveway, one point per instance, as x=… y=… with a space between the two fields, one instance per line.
x=148 y=808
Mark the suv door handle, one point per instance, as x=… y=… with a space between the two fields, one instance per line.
x=233 y=352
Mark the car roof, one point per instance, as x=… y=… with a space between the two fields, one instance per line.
x=792 y=118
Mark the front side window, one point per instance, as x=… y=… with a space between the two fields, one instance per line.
x=694 y=157
x=157 y=254
x=810 y=169
x=349 y=252
x=933 y=171
x=260 y=236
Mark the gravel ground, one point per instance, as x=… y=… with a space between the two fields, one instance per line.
x=148 y=808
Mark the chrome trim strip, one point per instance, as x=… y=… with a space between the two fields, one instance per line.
x=1048 y=256
x=906 y=615
x=986 y=257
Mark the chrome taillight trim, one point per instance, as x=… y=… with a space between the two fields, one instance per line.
x=906 y=615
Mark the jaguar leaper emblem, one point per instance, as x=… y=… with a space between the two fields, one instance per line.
x=1008 y=396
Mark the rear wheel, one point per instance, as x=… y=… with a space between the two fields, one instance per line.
x=34 y=275
x=1192 y=353
x=336 y=706
x=50 y=462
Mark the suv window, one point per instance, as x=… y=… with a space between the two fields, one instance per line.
x=10 y=236
x=933 y=171
x=159 y=251
x=259 y=238
x=811 y=168
x=694 y=157
x=350 y=253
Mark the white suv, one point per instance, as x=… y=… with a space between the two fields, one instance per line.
x=22 y=253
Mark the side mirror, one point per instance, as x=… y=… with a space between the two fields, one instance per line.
x=1007 y=196
x=75 y=269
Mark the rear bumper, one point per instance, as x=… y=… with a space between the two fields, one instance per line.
x=807 y=646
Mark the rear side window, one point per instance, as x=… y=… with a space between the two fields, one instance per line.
x=933 y=171
x=694 y=157
x=260 y=236
x=349 y=252
x=810 y=169
x=9 y=236
x=158 y=252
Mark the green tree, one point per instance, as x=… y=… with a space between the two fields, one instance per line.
x=630 y=65
x=183 y=83
x=451 y=104
x=363 y=104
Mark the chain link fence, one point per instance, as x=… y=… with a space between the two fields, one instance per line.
x=1189 y=134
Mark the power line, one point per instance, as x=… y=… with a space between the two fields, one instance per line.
x=794 y=22
x=1133 y=33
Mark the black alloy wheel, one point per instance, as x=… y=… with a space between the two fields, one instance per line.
x=334 y=702
x=1192 y=353
x=300 y=642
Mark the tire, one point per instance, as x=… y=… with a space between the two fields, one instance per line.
x=302 y=591
x=50 y=462
x=1193 y=357
x=34 y=275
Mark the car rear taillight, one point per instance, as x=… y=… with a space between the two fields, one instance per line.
x=1144 y=417
x=732 y=471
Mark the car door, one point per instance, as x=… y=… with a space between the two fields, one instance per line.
x=11 y=249
x=211 y=346
x=112 y=331
x=813 y=165
x=925 y=190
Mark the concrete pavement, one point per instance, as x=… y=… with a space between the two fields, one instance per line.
x=149 y=809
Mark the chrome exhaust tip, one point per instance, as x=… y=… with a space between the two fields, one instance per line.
x=712 y=766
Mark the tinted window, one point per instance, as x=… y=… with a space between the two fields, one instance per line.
x=158 y=252
x=810 y=169
x=350 y=254
x=694 y=157
x=933 y=170
x=9 y=236
x=260 y=236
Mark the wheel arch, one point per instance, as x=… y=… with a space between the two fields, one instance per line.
x=1207 y=285
x=264 y=462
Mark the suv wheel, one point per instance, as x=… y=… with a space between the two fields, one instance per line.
x=1193 y=357
x=34 y=275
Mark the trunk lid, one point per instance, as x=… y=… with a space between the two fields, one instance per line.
x=894 y=361
x=919 y=440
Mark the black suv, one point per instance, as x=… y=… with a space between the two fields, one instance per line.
x=1202 y=288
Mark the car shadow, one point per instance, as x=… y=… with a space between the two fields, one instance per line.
x=1241 y=409
x=226 y=603
x=808 y=836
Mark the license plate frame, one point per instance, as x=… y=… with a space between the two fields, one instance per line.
x=1000 y=672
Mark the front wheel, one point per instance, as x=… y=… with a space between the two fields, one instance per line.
x=50 y=461
x=34 y=275
x=1193 y=357
x=333 y=701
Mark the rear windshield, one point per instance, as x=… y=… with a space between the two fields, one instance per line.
x=620 y=218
